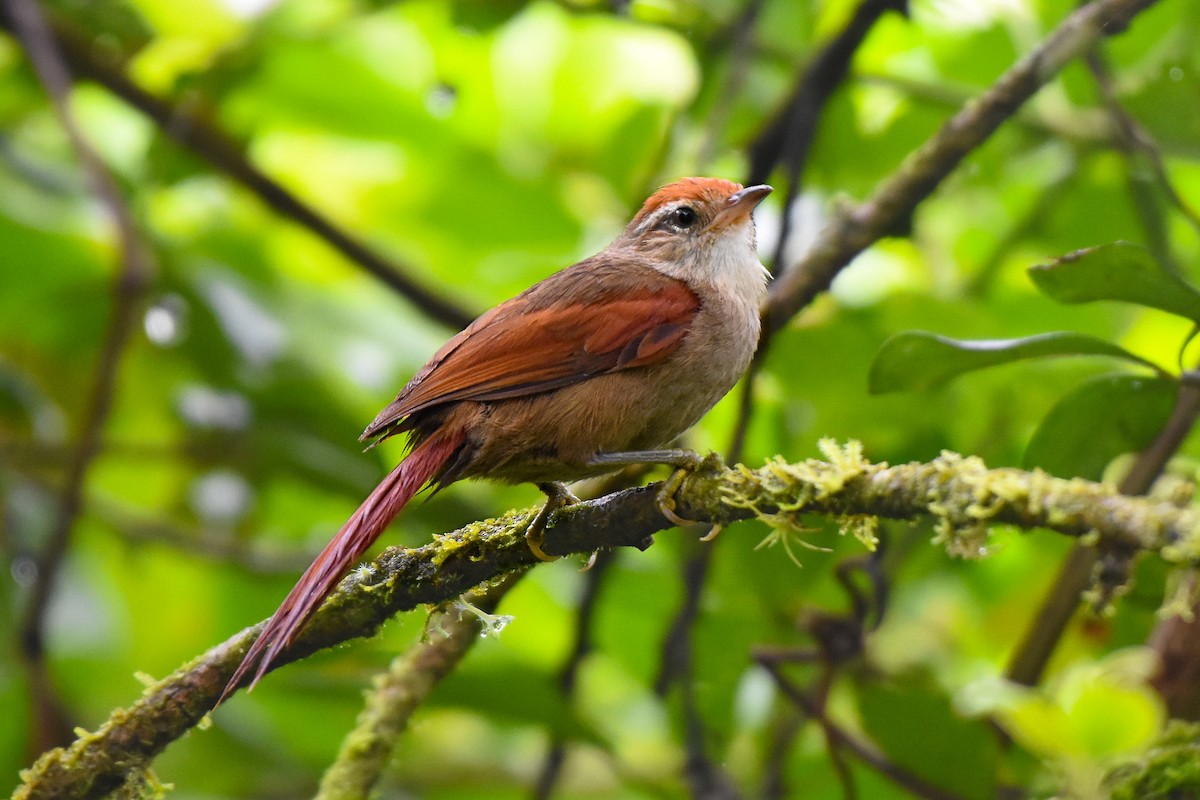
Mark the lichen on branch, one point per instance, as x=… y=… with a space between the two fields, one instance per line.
x=960 y=493
x=963 y=497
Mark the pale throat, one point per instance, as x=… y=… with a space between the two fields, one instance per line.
x=728 y=263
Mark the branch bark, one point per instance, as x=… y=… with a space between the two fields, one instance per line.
x=367 y=749
x=960 y=494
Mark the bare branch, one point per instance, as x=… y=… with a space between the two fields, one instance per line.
x=568 y=677
x=1075 y=574
x=838 y=739
x=788 y=138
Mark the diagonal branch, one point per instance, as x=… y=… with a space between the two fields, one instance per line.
x=837 y=738
x=856 y=228
x=367 y=749
x=961 y=494
x=788 y=137
x=198 y=135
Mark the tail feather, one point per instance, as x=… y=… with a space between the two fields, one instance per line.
x=360 y=531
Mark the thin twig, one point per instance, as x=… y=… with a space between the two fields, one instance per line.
x=1047 y=200
x=676 y=667
x=1142 y=195
x=219 y=545
x=677 y=645
x=839 y=739
x=781 y=737
x=741 y=39
x=707 y=779
x=1135 y=140
x=136 y=272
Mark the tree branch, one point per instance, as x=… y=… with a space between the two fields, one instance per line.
x=200 y=136
x=854 y=229
x=568 y=677
x=836 y=738
x=960 y=493
x=1062 y=600
x=367 y=749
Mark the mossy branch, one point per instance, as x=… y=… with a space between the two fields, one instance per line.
x=449 y=635
x=960 y=493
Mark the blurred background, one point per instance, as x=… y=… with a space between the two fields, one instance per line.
x=178 y=432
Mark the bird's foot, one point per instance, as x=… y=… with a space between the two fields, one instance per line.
x=557 y=496
x=665 y=500
x=685 y=463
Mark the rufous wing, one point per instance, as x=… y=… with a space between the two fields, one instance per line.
x=585 y=321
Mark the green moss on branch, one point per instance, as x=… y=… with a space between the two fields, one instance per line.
x=960 y=493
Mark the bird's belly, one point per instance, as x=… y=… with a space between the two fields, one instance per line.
x=551 y=436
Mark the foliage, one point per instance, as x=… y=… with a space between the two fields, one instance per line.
x=478 y=146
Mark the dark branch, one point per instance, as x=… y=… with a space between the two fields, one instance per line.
x=839 y=739
x=1075 y=574
x=568 y=677
x=197 y=134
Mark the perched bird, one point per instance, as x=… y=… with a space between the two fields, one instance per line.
x=597 y=366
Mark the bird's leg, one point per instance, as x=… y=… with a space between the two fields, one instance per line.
x=557 y=496
x=671 y=487
x=685 y=463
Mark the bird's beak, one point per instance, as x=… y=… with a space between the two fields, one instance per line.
x=739 y=206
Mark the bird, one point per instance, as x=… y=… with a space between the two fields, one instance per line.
x=600 y=365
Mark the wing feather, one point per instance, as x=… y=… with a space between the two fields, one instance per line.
x=574 y=325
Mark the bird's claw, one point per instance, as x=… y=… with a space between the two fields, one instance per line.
x=557 y=496
x=534 y=538
x=671 y=486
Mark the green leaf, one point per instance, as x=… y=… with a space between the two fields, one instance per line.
x=953 y=753
x=1117 y=271
x=1109 y=719
x=920 y=360
x=1100 y=420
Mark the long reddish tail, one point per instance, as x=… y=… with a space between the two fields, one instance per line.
x=360 y=531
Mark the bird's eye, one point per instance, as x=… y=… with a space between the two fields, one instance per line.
x=683 y=217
